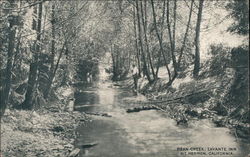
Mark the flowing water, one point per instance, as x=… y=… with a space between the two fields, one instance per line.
x=147 y=133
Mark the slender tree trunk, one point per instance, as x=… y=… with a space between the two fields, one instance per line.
x=149 y=53
x=40 y=71
x=8 y=78
x=16 y=61
x=197 y=41
x=174 y=26
x=129 y=60
x=141 y=44
x=116 y=50
x=172 y=39
x=54 y=70
x=161 y=36
x=144 y=23
x=52 y=57
x=160 y=39
x=113 y=61
x=59 y=58
x=186 y=35
x=136 y=43
x=158 y=64
x=28 y=104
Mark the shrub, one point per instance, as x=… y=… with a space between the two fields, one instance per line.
x=220 y=60
x=238 y=93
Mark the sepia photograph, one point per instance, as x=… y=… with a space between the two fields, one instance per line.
x=124 y=78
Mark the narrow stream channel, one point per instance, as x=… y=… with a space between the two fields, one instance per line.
x=146 y=133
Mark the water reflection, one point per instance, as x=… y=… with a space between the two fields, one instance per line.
x=85 y=100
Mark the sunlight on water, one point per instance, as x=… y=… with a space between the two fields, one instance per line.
x=107 y=98
x=103 y=76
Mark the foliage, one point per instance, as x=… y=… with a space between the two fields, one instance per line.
x=220 y=60
x=238 y=93
x=85 y=68
x=240 y=12
x=145 y=33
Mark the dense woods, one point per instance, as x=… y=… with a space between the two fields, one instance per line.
x=43 y=39
x=47 y=45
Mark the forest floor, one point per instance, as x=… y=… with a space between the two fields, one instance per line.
x=44 y=132
x=38 y=133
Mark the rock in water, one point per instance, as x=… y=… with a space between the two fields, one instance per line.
x=57 y=129
x=75 y=152
x=89 y=145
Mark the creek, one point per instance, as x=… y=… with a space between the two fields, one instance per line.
x=146 y=133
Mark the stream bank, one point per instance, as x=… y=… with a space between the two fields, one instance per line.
x=45 y=132
x=189 y=99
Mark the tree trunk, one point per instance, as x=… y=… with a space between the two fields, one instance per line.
x=197 y=41
x=116 y=51
x=161 y=36
x=129 y=60
x=172 y=40
x=160 y=40
x=144 y=23
x=52 y=57
x=55 y=69
x=186 y=35
x=141 y=44
x=59 y=58
x=7 y=81
x=136 y=43
x=113 y=62
x=16 y=61
x=28 y=104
